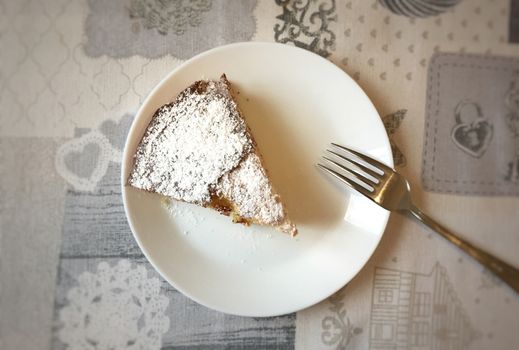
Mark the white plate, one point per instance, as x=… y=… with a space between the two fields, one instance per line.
x=296 y=103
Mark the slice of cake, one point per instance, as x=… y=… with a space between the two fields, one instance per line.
x=198 y=149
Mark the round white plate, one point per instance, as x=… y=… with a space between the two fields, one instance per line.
x=295 y=103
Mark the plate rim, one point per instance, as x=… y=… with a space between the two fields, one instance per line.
x=124 y=170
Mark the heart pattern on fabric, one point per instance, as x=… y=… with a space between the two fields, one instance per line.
x=473 y=138
x=116 y=131
x=83 y=161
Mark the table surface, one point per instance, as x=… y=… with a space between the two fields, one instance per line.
x=444 y=77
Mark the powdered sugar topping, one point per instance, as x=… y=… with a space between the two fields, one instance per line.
x=191 y=143
x=249 y=188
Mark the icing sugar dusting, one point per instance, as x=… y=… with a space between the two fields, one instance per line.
x=249 y=188
x=191 y=143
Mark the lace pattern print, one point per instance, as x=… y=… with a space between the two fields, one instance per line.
x=117 y=307
x=169 y=16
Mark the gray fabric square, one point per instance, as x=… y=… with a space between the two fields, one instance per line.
x=154 y=29
x=31 y=215
x=471 y=143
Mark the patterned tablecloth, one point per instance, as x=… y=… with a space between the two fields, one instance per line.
x=442 y=73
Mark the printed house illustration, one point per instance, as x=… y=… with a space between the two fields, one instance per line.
x=417 y=311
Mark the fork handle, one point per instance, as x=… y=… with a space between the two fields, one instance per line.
x=507 y=273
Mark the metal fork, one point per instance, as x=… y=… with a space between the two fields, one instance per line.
x=384 y=186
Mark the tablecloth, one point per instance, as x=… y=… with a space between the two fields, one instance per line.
x=443 y=75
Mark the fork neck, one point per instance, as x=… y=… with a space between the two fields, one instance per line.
x=431 y=223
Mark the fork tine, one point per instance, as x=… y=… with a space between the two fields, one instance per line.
x=369 y=160
x=373 y=181
x=360 y=169
x=347 y=181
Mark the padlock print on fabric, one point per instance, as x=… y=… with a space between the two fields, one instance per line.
x=472 y=132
